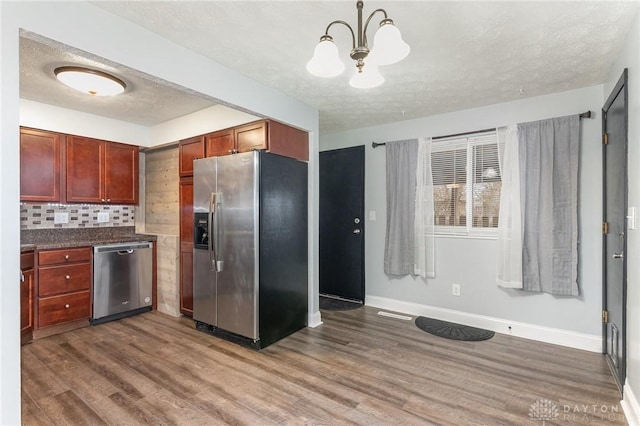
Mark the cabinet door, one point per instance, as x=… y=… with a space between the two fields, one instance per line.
x=186 y=246
x=219 y=143
x=250 y=137
x=186 y=210
x=121 y=173
x=186 y=279
x=40 y=159
x=26 y=303
x=85 y=163
x=189 y=150
x=288 y=141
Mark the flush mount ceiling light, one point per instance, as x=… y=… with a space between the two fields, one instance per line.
x=92 y=82
x=388 y=48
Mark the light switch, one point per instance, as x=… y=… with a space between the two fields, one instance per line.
x=103 y=217
x=62 y=217
x=372 y=215
x=631 y=218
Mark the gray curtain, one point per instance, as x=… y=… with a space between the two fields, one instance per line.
x=402 y=160
x=549 y=151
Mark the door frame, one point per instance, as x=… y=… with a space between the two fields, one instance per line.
x=621 y=86
x=358 y=148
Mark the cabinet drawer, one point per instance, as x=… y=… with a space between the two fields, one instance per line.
x=64 y=308
x=64 y=279
x=26 y=261
x=52 y=257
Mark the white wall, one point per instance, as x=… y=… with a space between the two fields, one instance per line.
x=630 y=58
x=86 y=27
x=472 y=262
x=64 y=120
x=207 y=120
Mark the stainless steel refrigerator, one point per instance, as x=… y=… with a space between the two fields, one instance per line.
x=250 y=239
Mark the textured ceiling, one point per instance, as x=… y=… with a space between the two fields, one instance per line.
x=147 y=100
x=463 y=54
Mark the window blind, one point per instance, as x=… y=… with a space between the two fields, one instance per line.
x=466 y=178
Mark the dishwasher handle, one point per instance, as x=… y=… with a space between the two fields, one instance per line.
x=122 y=248
x=125 y=252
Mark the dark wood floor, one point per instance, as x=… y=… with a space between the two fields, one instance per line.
x=356 y=368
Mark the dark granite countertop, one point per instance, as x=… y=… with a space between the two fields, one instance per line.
x=27 y=247
x=45 y=239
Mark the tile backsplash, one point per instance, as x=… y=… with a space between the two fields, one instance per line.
x=43 y=215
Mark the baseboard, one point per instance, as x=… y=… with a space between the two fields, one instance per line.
x=315 y=319
x=630 y=406
x=587 y=342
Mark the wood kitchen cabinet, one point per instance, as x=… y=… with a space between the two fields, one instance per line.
x=265 y=134
x=27 y=288
x=101 y=172
x=220 y=143
x=64 y=286
x=186 y=246
x=40 y=165
x=189 y=150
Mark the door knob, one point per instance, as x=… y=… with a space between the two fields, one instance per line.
x=618 y=255
x=356 y=231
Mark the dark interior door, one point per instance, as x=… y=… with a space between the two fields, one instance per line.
x=614 y=125
x=342 y=223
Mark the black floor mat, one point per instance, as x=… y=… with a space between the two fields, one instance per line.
x=450 y=330
x=331 y=304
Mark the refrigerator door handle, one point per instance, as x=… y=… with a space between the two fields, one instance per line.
x=216 y=233
x=213 y=200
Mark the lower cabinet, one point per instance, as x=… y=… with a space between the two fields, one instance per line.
x=27 y=288
x=64 y=283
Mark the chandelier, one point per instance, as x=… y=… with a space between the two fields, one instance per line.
x=388 y=48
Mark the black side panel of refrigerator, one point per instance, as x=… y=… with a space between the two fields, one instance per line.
x=283 y=247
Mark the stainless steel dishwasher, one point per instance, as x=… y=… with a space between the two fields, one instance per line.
x=122 y=280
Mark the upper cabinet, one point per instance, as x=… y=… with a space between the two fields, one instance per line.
x=121 y=173
x=40 y=166
x=251 y=136
x=101 y=172
x=219 y=143
x=73 y=169
x=266 y=134
x=85 y=174
x=189 y=150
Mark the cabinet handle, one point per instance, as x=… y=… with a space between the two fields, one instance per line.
x=67 y=306
x=66 y=257
x=21 y=277
x=108 y=200
x=230 y=151
x=68 y=277
x=103 y=200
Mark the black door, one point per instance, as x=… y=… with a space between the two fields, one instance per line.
x=614 y=297
x=342 y=223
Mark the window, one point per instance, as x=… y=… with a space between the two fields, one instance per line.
x=466 y=184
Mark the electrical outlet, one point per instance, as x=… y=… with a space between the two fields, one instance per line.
x=103 y=217
x=455 y=289
x=62 y=217
x=372 y=215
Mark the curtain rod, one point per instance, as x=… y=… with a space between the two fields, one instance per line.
x=377 y=144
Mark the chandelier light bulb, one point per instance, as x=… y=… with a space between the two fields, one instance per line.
x=388 y=46
x=325 y=61
x=366 y=77
x=92 y=82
